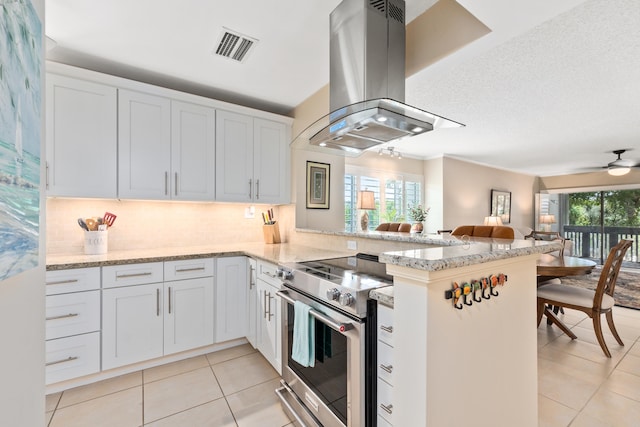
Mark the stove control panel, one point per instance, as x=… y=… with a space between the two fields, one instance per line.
x=333 y=294
x=346 y=299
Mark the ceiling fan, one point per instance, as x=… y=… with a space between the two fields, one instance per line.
x=621 y=166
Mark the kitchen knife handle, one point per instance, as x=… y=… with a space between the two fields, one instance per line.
x=250 y=187
x=257 y=189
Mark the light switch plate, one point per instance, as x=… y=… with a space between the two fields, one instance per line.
x=250 y=212
x=352 y=245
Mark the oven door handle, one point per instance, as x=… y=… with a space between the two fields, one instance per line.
x=337 y=326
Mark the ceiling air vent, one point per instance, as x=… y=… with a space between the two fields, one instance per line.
x=234 y=45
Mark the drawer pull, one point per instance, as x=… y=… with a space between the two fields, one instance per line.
x=185 y=270
x=64 y=316
x=387 y=408
x=387 y=368
x=388 y=329
x=62 y=282
x=126 y=276
x=272 y=275
x=68 y=359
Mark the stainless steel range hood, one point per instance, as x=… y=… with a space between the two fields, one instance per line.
x=367 y=81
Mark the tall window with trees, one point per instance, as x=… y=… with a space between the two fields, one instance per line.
x=596 y=221
x=394 y=195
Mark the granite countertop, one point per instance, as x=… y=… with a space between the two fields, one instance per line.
x=275 y=253
x=383 y=295
x=426 y=239
x=469 y=251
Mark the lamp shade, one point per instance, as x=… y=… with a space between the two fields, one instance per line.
x=492 y=220
x=366 y=200
x=618 y=170
x=547 y=219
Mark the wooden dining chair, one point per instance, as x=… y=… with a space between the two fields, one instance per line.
x=593 y=303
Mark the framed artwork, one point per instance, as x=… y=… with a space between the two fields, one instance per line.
x=318 y=185
x=21 y=59
x=501 y=205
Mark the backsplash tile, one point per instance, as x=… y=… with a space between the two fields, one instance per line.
x=151 y=224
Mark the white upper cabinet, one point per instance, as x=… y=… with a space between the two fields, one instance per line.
x=193 y=141
x=252 y=159
x=270 y=161
x=81 y=138
x=144 y=141
x=234 y=157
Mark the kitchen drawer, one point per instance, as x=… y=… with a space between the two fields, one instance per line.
x=72 y=357
x=385 y=324
x=114 y=276
x=268 y=273
x=73 y=280
x=188 y=269
x=72 y=314
x=385 y=401
x=385 y=362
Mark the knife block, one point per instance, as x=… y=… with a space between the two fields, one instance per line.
x=271 y=233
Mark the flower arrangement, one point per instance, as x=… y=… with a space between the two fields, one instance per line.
x=418 y=213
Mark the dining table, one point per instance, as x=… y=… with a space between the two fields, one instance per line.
x=552 y=266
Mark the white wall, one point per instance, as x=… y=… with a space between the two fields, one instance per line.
x=467 y=193
x=22 y=328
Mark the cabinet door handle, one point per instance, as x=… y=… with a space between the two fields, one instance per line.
x=176 y=189
x=185 y=270
x=127 y=276
x=64 y=316
x=166 y=183
x=68 y=359
x=158 y=302
x=387 y=368
x=251 y=275
x=387 y=408
x=250 y=187
x=270 y=314
x=257 y=189
x=169 y=299
x=62 y=282
x=264 y=303
x=388 y=329
x=46 y=175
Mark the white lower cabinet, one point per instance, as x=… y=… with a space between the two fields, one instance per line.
x=132 y=324
x=385 y=366
x=252 y=303
x=145 y=321
x=231 y=298
x=72 y=325
x=269 y=321
x=188 y=316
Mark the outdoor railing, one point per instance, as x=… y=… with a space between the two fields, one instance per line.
x=588 y=242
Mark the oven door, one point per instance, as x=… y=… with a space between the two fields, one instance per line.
x=333 y=391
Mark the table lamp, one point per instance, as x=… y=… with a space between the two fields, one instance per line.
x=366 y=202
x=492 y=220
x=546 y=221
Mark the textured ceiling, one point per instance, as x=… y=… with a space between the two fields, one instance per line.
x=549 y=91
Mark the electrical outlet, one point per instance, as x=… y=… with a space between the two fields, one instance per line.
x=352 y=245
x=250 y=212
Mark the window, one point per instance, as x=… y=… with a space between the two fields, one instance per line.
x=394 y=194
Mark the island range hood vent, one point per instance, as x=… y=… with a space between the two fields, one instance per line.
x=367 y=81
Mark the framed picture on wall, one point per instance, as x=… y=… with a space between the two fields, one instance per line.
x=501 y=205
x=318 y=185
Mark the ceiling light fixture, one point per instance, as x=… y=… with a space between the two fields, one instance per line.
x=618 y=170
x=391 y=152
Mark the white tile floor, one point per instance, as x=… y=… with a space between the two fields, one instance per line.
x=578 y=386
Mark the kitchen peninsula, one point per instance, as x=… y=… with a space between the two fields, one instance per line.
x=475 y=365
